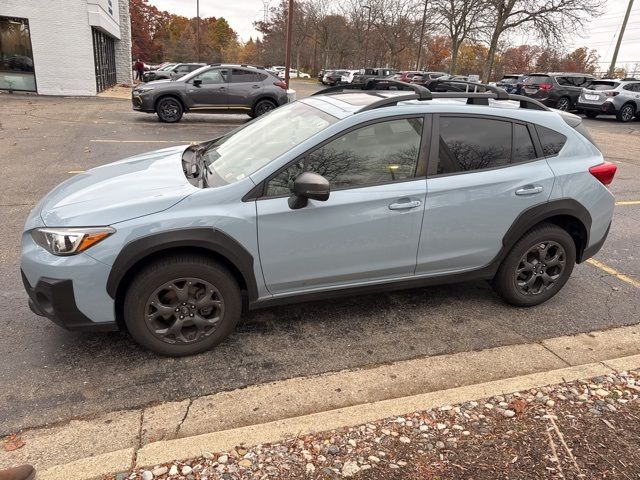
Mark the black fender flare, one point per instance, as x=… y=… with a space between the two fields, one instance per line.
x=539 y=213
x=210 y=239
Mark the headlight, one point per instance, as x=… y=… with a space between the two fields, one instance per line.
x=142 y=89
x=69 y=241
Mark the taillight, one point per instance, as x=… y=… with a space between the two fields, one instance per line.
x=545 y=86
x=604 y=172
x=612 y=94
x=281 y=84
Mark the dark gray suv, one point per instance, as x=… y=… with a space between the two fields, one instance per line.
x=216 y=88
x=556 y=90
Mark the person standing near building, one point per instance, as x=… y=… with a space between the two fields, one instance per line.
x=139 y=68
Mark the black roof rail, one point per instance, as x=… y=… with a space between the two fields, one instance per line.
x=422 y=93
x=501 y=94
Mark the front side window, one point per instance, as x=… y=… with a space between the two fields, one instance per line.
x=380 y=153
x=246 y=150
x=212 y=77
x=468 y=144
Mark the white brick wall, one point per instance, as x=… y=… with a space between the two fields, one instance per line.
x=62 y=42
x=123 y=47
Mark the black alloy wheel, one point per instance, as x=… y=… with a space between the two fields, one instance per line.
x=563 y=104
x=540 y=267
x=184 y=310
x=169 y=110
x=262 y=107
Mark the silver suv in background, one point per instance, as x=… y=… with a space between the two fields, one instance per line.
x=611 y=97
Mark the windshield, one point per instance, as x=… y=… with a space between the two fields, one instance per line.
x=168 y=67
x=245 y=151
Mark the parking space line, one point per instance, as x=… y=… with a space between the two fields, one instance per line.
x=628 y=202
x=76 y=171
x=140 y=141
x=614 y=272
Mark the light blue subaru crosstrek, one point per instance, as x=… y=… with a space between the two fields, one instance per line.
x=348 y=191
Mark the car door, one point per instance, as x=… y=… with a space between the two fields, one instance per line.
x=208 y=90
x=483 y=173
x=368 y=230
x=244 y=85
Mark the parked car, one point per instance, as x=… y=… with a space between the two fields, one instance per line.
x=301 y=204
x=446 y=83
x=556 y=90
x=347 y=77
x=177 y=71
x=366 y=73
x=321 y=74
x=333 y=77
x=151 y=75
x=293 y=73
x=216 y=88
x=512 y=83
x=611 y=97
x=423 y=78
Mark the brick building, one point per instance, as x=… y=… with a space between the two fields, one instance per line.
x=64 y=47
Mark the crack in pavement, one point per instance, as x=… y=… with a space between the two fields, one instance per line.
x=186 y=413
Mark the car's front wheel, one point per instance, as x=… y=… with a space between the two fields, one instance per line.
x=182 y=305
x=537 y=267
x=169 y=110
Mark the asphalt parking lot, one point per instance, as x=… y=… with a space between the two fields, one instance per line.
x=50 y=375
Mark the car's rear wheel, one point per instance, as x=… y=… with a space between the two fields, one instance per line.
x=626 y=113
x=537 y=267
x=564 y=104
x=169 y=110
x=182 y=305
x=263 y=106
x=591 y=114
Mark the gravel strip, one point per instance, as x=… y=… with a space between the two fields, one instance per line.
x=584 y=429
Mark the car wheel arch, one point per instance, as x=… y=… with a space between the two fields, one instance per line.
x=565 y=213
x=140 y=252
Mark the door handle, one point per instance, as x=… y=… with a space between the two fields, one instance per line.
x=405 y=205
x=529 y=190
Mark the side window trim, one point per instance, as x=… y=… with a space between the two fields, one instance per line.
x=420 y=165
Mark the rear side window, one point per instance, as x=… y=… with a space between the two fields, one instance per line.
x=552 y=141
x=468 y=144
x=242 y=76
x=633 y=87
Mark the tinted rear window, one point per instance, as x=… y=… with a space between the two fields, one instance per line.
x=538 y=80
x=600 y=85
x=552 y=141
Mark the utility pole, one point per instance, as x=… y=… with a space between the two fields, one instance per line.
x=366 y=38
x=198 y=27
x=287 y=60
x=619 y=42
x=424 y=21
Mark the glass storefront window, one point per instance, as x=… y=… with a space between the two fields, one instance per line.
x=16 y=56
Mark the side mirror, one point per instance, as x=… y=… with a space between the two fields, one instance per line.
x=197 y=82
x=308 y=185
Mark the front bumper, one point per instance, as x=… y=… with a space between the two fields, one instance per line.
x=142 y=103
x=53 y=298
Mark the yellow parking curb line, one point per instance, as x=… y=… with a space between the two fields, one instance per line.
x=628 y=202
x=614 y=272
x=76 y=171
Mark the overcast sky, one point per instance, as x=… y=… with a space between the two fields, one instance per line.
x=601 y=34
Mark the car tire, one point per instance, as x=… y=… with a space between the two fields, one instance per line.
x=263 y=106
x=164 y=318
x=564 y=104
x=169 y=110
x=536 y=267
x=626 y=113
x=591 y=114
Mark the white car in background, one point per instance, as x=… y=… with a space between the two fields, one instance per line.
x=348 y=76
x=293 y=73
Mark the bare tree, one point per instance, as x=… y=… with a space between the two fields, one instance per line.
x=461 y=19
x=551 y=20
x=397 y=22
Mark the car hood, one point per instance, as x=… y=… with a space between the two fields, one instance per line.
x=133 y=187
